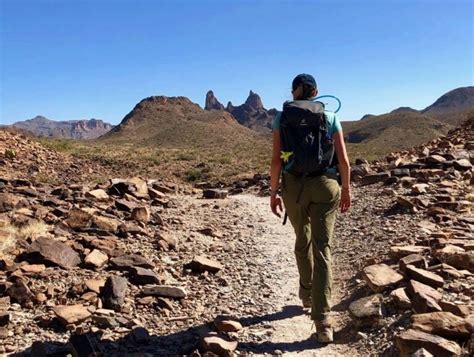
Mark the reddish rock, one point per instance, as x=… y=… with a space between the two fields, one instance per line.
x=55 y=252
x=367 y=311
x=402 y=251
x=201 y=264
x=423 y=297
x=71 y=314
x=424 y=276
x=400 y=298
x=96 y=259
x=218 y=345
x=380 y=277
x=444 y=324
x=408 y=342
x=114 y=292
x=416 y=260
x=141 y=214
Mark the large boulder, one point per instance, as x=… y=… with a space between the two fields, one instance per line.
x=48 y=250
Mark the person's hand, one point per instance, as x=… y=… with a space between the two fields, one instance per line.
x=275 y=204
x=345 y=203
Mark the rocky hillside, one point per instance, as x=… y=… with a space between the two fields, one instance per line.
x=405 y=127
x=251 y=114
x=69 y=129
x=22 y=157
x=181 y=138
x=422 y=283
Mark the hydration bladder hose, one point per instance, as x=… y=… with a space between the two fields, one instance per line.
x=333 y=97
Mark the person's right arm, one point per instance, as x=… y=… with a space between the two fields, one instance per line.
x=275 y=170
x=344 y=169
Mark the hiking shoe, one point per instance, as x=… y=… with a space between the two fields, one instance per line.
x=324 y=332
x=307 y=302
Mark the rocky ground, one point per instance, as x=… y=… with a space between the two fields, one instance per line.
x=134 y=267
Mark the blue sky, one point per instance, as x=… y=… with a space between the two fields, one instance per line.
x=97 y=58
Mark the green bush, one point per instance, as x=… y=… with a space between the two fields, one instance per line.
x=10 y=154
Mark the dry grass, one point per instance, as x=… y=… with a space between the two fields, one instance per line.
x=7 y=239
x=10 y=234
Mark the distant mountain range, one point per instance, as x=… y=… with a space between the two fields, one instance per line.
x=405 y=127
x=68 y=129
x=417 y=125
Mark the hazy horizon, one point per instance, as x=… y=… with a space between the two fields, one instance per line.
x=89 y=59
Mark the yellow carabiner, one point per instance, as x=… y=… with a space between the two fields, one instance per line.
x=285 y=155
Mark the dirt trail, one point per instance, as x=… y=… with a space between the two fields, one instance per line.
x=289 y=329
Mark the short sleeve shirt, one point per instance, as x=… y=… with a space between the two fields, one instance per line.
x=333 y=121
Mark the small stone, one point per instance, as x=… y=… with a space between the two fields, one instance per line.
x=367 y=311
x=221 y=346
x=33 y=268
x=423 y=297
x=105 y=321
x=459 y=310
x=424 y=276
x=456 y=257
x=41 y=297
x=201 y=264
x=380 y=277
x=419 y=188
x=145 y=276
x=413 y=259
x=400 y=298
x=224 y=324
x=214 y=194
x=95 y=285
x=96 y=258
x=402 y=251
x=114 y=292
x=73 y=314
x=462 y=165
x=374 y=178
x=126 y=262
x=436 y=159
x=79 y=219
x=141 y=214
x=99 y=195
x=106 y=223
x=19 y=292
x=165 y=291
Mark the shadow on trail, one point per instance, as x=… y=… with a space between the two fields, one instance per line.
x=139 y=343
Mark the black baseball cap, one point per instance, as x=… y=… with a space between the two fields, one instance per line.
x=303 y=78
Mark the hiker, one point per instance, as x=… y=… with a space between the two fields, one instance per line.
x=310 y=155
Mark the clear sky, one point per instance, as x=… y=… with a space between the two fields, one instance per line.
x=72 y=59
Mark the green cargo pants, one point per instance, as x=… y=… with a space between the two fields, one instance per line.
x=313 y=219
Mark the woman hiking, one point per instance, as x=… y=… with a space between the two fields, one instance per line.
x=308 y=147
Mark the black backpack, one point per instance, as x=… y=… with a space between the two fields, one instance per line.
x=306 y=147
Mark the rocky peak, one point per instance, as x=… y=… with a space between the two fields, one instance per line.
x=212 y=103
x=254 y=101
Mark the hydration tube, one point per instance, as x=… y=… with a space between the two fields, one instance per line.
x=333 y=97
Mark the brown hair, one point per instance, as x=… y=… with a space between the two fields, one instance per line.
x=304 y=92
